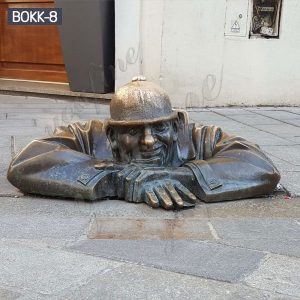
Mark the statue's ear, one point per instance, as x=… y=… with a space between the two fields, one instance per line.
x=183 y=118
x=175 y=125
x=111 y=135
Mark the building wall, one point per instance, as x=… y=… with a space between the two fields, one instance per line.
x=180 y=44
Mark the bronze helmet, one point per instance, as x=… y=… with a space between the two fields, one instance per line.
x=140 y=102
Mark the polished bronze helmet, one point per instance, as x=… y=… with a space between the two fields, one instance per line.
x=140 y=102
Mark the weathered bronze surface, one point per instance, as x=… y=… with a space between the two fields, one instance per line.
x=146 y=152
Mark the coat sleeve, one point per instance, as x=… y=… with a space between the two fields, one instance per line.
x=63 y=165
x=230 y=167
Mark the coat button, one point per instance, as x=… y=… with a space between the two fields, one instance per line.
x=212 y=181
x=84 y=177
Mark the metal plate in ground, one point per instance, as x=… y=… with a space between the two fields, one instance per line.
x=160 y=229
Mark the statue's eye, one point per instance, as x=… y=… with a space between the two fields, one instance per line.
x=132 y=131
x=160 y=127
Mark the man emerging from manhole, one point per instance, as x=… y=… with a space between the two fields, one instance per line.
x=146 y=152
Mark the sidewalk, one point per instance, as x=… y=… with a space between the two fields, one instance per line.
x=59 y=249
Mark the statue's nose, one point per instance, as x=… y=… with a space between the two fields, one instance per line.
x=148 y=138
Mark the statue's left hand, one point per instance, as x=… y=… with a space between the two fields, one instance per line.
x=155 y=187
x=169 y=194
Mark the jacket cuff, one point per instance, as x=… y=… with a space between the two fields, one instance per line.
x=204 y=174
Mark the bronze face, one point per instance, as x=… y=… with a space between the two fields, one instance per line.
x=144 y=144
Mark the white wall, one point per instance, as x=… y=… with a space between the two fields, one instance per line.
x=183 y=48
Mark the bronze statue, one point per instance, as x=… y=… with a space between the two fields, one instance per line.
x=146 y=152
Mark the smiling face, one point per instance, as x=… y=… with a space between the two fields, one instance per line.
x=144 y=144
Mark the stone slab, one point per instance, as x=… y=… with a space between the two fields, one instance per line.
x=50 y=110
x=294 y=122
x=282 y=165
x=262 y=208
x=280 y=235
x=206 y=116
x=280 y=114
x=255 y=120
x=290 y=154
x=291 y=181
x=48 y=103
x=16 y=123
x=31 y=206
x=129 y=282
x=47 y=229
x=203 y=259
x=8 y=295
x=232 y=111
x=158 y=229
x=230 y=126
x=6 y=155
x=123 y=209
x=278 y=274
x=36 y=132
x=46 y=271
x=292 y=109
x=263 y=138
x=285 y=131
x=6 y=189
x=81 y=115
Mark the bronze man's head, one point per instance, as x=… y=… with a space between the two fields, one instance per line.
x=143 y=127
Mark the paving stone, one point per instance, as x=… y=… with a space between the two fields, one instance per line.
x=45 y=103
x=5 y=158
x=11 y=98
x=290 y=154
x=203 y=259
x=206 y=116
x=141 y=229
x=38 y=206
x=49 y=229
x=262 y=208
x=263 y=138
x=50 y=110
x=48 y=220
x=290 y=181
x=229 y=126
x=278 y=235
x=29 y=205
x=46 y=271
x=294 y=122
x=283 y=130
x=117 y=208
x=51 y=116
x=295 y=110
x=16 y=123
x=278 y=274
x=296 y=139
x=6 y=189
x=279 y=114
x=282 y=165
x=4 y=142
x=19 y=131
x=255 y=120
x=138 y=282
x=232 y=111
x=8 y=295
x=55 y=122
x=251 y=134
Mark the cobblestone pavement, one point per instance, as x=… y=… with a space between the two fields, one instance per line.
x=59 y=249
